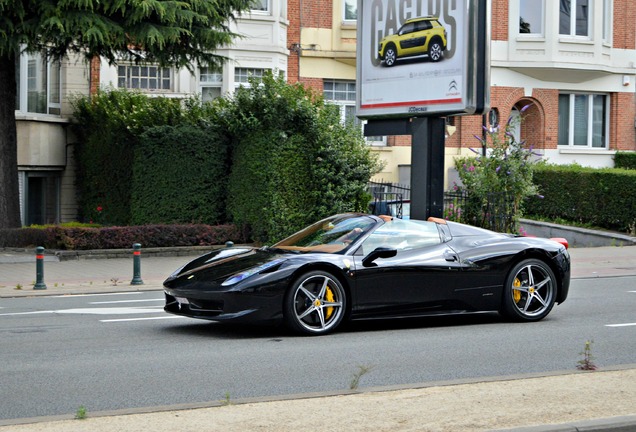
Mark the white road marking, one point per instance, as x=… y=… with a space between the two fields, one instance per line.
x=621 y=325
x=143 y=319
x=127 y=301
x=97 y=295
x=95 y=311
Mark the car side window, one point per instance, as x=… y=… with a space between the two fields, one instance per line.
x=407 y=28
x=423 y=25
x=402 y=235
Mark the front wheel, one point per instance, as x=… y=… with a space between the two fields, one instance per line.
x=390 y=55
x=530 y=291
x=315 y=304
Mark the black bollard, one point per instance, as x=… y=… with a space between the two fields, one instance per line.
x=39 y=269
x=136 y=280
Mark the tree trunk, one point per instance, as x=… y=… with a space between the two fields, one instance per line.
x=9 y=193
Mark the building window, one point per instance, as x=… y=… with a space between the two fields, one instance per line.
x=242 y=75
x=211 y=82
x=38 y=85
x=144 y=77
x=342 y=93
x=574 y=18
x=583 y=120
x=531 y=17
x=350 y=12
x=260 y=6
x=40 y=197
x=607 y=21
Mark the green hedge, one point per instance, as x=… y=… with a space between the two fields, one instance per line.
x=625 y=160
x=600 y=197
x=64 y=238
x=293 y=162
x=108 y=127
x=179 y=176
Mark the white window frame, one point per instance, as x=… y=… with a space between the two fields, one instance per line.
x=209 y=78
x=350 y=3
x=535 y=3
x=346 y=104
x=241 y=75
x=48 y=84
x=573 y=17
x=265 y=7
x=590 y=122
x=136 y=72
x=608 y=8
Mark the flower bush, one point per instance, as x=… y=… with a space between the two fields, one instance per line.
x=498 y=182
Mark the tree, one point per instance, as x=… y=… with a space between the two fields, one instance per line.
x=167 y=32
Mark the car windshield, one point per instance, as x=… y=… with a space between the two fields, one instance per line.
x=331 y=235
x=402 y=235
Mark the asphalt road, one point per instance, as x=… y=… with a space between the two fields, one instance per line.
x=115 y=351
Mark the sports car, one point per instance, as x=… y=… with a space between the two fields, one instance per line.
x=357 y=266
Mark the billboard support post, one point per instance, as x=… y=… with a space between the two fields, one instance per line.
x=427 y=167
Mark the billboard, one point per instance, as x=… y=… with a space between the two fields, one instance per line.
x=422 y=58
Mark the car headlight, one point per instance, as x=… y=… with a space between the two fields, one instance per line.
x=234 y=279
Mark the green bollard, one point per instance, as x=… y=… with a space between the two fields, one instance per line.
x=136 y=280
x=39 y=269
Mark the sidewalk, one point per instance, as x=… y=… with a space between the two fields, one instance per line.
x=562 y=401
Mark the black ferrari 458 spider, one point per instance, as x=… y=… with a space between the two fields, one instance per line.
x=359 y=266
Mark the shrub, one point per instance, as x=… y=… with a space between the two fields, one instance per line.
x=599 y=197
x=293 y=162
x=625 y=160
x=108 y=126
x=497 y=184
x=179 y=176
x=23 y=237
x=147 y=235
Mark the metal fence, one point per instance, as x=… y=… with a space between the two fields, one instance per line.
x=495 y=211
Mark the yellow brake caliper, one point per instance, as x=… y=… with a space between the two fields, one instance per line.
x=330 y=298
x=516 y=294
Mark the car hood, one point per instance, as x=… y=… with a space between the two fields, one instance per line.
x=222 y=264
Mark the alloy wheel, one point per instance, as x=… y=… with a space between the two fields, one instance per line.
x=317 y=304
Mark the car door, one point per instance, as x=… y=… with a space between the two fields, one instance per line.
x=418 y=35
x=420 y=278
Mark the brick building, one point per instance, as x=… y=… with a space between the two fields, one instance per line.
x=574 y=61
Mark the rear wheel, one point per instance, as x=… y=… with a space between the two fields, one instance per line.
x=530 y=291
x=315 y=304
x=435 y=50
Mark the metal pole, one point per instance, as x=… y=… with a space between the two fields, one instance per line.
x=39 y=269
x=136 y=280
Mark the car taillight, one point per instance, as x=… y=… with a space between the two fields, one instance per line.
x=561 y=240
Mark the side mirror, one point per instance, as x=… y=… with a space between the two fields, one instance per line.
x=381 y=252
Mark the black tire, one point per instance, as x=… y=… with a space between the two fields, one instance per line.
x=530 y=291
x=390 y=55
x=315 y=304
x=435 y=50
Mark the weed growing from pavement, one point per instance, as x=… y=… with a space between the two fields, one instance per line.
x=80 y=414
x=355 y=381
x=18 y=287
x=226 y=401
x=586 y=363
x=115 y=281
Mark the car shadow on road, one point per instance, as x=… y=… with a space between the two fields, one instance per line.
x=459 y=320
x=211 y=329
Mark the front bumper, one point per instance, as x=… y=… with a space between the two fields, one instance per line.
x=225 y=306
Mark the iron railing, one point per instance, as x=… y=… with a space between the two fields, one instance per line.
x=495 y=211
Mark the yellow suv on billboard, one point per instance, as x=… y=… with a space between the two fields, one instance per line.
x=418 y=36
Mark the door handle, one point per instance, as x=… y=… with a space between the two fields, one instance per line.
x=450 y=256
